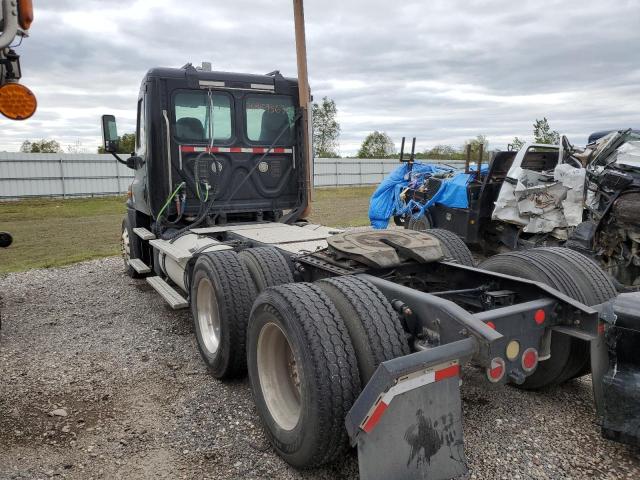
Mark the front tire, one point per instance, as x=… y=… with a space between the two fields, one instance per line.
x=303 y=373
x=129 y=248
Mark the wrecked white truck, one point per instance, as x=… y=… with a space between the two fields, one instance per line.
x=550 y=195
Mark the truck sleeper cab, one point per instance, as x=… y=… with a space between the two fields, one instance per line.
x=346 y=336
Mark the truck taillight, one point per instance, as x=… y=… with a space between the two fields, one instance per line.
x=497 y=370
x=25 y=14
x=529 y=359
x=539 y=316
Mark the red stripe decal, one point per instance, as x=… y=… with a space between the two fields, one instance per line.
x=375 y=417
x=452 y=371
x=191 y=149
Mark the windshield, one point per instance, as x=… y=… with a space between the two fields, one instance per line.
x=193 y=113
x=267 y=116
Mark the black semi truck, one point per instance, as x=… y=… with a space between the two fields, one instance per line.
x=347 y=337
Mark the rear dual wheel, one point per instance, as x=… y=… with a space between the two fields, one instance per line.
x=310 y=350
x=303 y=373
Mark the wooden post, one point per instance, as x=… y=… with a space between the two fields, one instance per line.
x=304 y=97
x=468 y=159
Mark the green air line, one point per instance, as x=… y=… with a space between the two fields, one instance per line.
x=206 y=197
x=171 y=197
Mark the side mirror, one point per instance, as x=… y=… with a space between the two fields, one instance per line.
x=109 y=134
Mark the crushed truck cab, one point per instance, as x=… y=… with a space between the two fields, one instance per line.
x=347 y=337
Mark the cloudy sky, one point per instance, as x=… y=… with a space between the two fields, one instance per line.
x=442 y=71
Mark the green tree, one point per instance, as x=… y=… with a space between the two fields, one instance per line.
x=126 y=144
x=440 y=152
x=542 y=132
x=376 y=145
x=326 y=129
x=475 y=146
x=517 y=143
x=41 y=146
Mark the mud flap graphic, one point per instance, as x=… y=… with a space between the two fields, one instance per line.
x=426 y=437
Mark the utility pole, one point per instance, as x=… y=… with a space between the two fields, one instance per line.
x=304 y=96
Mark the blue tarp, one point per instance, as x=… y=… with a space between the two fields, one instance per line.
x=386 y=202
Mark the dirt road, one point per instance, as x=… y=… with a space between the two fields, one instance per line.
x=98 y=379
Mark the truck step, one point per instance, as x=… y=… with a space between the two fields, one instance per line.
x=166 y=291
x=139 y=266
x=143 y=233
x=169 y=249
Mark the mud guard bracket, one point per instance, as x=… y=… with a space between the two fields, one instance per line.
x=407 y=422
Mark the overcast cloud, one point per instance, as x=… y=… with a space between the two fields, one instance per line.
x=442 y=71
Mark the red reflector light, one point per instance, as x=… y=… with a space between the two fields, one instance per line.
x=529 y=359
x=601 y=328
x=490 y=324
x=539 y=316
x=496 y=371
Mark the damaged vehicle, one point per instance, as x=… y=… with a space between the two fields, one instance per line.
x=586 y=199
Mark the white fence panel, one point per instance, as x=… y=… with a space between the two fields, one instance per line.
x=24 y=175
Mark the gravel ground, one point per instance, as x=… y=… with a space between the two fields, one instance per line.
x=99 y=379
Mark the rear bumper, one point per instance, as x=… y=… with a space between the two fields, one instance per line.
x=621 y=392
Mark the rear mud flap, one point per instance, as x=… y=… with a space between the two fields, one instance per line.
x=407 y=423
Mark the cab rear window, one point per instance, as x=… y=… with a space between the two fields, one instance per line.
x=200 y=116
x=266 y=116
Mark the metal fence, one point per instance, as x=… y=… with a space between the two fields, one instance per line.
x=24 y=175
x=342 y=172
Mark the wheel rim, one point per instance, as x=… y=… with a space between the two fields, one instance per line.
x=125 y=246
x=208 y=316
x=279 y=376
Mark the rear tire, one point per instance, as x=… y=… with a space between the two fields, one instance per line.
x=221 y=296
x=595 y=287
x=578 y=279
x=267 y=267
x=453 y=246
x=373 y=325
x=303 y=373
x=421 y=223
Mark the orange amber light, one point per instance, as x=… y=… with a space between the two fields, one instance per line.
x=25 y=14
x=17 y=102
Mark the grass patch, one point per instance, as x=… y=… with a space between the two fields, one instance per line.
x=55 y=232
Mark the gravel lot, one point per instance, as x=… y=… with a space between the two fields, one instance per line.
x=98 y=379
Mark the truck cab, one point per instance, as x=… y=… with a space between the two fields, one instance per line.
x=212 y=148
